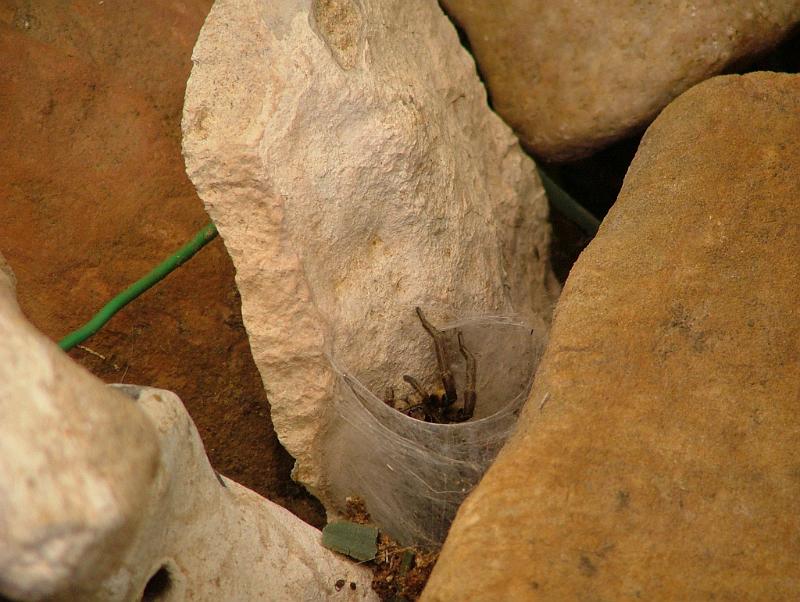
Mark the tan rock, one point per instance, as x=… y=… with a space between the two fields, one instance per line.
x=657 y=457
x=218 y=540
x=76 y=464
x=106 y=493
x=90 y=119
x=572 y=77
x=346 y=153
x=7 y=278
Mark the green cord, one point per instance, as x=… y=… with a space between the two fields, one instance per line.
x=560 y=199
x=569 y=206
x=200 y=239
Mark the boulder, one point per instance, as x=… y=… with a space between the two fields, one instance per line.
x=106 y=494
x=573 y=77
x=91 y=105
x=77 y=462
x=347 y=155
x=657 y=456
x=7 y=279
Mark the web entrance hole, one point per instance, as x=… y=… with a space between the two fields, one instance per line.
x=413 y=475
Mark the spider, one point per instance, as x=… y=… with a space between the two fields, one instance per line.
x=439 y=407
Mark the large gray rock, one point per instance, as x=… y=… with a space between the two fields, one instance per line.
x=106 y=493
x=657 y=457
x=347 y=155
x=572 y=77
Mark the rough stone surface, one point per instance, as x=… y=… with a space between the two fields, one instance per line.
x=7 y=278
x=346 y=153
x=572 y=77
x=94 y=194
x=102 y=487
x=76 y=464
x=657 y=457
x=219 y=540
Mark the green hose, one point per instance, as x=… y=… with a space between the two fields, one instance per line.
x=200 y=239
x=560 y=199
x=568 y=206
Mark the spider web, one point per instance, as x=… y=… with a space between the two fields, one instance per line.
x=413 y=475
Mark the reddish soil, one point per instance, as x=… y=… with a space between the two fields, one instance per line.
x=94 y=195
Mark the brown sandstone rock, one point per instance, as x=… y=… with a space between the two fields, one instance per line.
x=572 y=77
x=657 y=457
x=94 y=194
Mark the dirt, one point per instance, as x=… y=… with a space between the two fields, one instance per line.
x=399 y=572
x=94 y=195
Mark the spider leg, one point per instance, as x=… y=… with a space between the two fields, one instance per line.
x=388 y=396
x=470 y=396
x=441 y=359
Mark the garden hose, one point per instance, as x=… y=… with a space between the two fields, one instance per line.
x=560 y=200
x=568 y=206
x=200 y=239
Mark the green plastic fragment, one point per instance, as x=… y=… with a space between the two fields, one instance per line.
x=352 y=539
x=406 y=561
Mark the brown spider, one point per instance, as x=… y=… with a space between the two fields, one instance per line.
x=439 y=407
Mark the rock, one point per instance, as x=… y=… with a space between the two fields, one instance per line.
x=7 y=278
x=92 y=95
x=200 y=524
x=106 y=493
x=346 y=153
x=76 y=464
x=657 y=455
x=573 y=77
